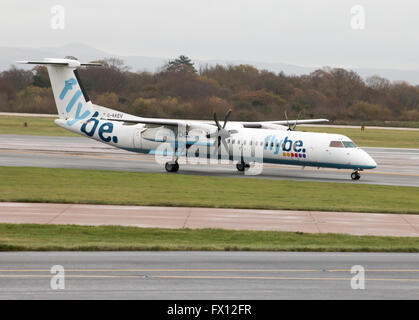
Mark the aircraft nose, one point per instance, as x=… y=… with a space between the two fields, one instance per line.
x=369 y=161
x=373 y=164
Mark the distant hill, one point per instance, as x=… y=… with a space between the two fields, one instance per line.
x=8 y=56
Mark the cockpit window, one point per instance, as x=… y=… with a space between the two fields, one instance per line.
x=336 y=144
x=349 y=144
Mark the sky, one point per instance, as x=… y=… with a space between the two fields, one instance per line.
x=301 y=32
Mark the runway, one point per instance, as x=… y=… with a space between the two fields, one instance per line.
x=395 y=166
x=208 y=275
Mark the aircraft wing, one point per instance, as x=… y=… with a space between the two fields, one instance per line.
x=209 y=125
x=193 y=124
x=272 y=124
x=304 y=121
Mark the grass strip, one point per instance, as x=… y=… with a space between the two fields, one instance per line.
x=36 y=237
x=23 y=184
x=34 y=126
x=374 y=137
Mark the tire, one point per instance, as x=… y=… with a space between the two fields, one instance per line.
x=171 y=166
x=355 y=176
x=240 y=166
x=168 y=166
x=175 y=167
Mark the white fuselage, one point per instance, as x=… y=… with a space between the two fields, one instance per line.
x=259 y=145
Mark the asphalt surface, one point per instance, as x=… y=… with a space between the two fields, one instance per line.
x=208 y=275
x=395 y=166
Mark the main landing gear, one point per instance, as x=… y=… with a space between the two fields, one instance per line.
x=241 y=166
x=355 y=175
x=172 y=166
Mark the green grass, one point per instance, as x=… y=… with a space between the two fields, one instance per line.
x=135 y=188
x=33 y=237
x=379 y=123
x=35 y=126
x=374 y=137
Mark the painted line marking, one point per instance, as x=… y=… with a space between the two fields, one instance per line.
x=68 y=276
x=280 y=278
x=377 y=270
x=165 y=270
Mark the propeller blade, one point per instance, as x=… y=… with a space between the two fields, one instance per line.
x=221 y=132
x=288 y=123
x=216 y=146
x=216 y=121
x=213 y=135
x=225 y=145
x=215 y=153
x=226 y=117
x=296 y=120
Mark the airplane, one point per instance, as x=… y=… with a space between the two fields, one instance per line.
x=275 y=142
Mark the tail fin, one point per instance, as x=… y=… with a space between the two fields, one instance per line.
x=73 y=103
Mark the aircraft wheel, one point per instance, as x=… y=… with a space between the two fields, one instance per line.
x=172 y=166
x=355 y=176
x=240 y=166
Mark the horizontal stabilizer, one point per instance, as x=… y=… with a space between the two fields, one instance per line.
x=61 y=62
x=44 y=63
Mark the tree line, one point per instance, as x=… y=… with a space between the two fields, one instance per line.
x=178 y=90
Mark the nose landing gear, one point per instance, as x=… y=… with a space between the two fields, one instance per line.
x=355 y=175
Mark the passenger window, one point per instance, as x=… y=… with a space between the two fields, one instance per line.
x=233 y=141
x=336 y=144
x=267 y=144
x=244 y=142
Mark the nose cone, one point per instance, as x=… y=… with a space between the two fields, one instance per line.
x=367 y=161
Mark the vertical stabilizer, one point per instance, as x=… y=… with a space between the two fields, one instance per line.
x=73 y=103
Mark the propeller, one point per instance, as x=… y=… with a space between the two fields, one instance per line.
x=288 y=124
x=222 y=133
